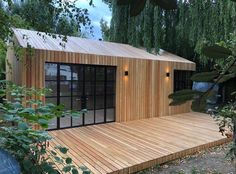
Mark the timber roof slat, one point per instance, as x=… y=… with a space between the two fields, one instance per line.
x=88 y=46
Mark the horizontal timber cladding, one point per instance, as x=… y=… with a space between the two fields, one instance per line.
x=141 y=94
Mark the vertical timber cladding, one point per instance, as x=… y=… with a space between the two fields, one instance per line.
x=141 y=94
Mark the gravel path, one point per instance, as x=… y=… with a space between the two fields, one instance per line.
x=212 y=161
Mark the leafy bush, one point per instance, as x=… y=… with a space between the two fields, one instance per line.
x=20 y=111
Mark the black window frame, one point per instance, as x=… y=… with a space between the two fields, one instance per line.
x=182 y=79
x=58 y=97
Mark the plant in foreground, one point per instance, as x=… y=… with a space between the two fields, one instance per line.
x=20 y=111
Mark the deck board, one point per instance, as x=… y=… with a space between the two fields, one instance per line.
x=132 y=146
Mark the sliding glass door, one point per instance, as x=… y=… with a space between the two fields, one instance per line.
x=80 y=87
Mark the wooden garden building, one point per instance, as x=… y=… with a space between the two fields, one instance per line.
x=114 y=82
x=118 y=84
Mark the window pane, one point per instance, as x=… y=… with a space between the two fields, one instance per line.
x=110 y=87
x=52 y=124
x=77 y=72
x=65 y=121
x=89 y=73
x=89 y=102
x=77 y=88
x=89 y=88
x=89 y=117
x=76 y=103
x=65 y=72
x=65 y=88
x=53 y=86
x=111 y=73
x=99 y=102
x=100 y=73
x=99 y=117
x=51 y=100
x=110 y=101
x=100 y=88
x=182 y=80
x=66 y=101
x=50 y=71
x=77 y=121
x=110 y=115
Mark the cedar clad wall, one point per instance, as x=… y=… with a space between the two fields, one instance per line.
x=141 y=94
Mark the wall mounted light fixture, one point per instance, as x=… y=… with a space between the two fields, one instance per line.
x=167 y=74
x=126 y=73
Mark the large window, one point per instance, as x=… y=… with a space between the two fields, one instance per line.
x=182 y=80
x=80 y=87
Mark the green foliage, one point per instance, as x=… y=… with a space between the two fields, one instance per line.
x=223 y=72
x=205 y=76
x=105 y=30
x=137 y=7
x=182 y=96
x=61 y=17
x=184 y=31
x=23 y=109
x=216 y=52
x=226 y=117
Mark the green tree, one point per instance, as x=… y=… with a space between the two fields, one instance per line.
x=223 y=71
x=105 y=30
x=60 y=17
x=183 y=31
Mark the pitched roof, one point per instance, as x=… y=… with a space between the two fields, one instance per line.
x=40 y=40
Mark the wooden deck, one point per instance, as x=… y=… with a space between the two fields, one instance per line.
x=136 y=145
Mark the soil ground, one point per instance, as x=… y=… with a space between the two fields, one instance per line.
x=212 y=161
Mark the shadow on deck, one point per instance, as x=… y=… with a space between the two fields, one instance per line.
x=136 y=145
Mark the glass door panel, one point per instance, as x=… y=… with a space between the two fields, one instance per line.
x=80 y=87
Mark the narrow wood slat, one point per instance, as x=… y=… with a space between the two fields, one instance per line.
x=135 y=145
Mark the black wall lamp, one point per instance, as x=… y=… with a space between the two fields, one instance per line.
x=126 y=73
x=167 y=74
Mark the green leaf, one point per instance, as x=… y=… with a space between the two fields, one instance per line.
x=184 y=92
x=58 y=159
x=66 y=169
x=13 y=111
x=205 y=76
x=199 y=105
x=2 y=92
x=183 y=96
x=216 y=52
x=86 y=172
x=233 y=93
x=232 y=69
x=63 y=150
x=68 y=160
x=136 y=7
x=9 y=118
x=75 y=171
x=43 y=123
x=53 y=152
x=165 y=4
x=27 y=164
x=28 y=110
x=23 y=125
x=227 y=77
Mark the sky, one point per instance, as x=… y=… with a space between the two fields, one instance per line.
x=101 y=10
